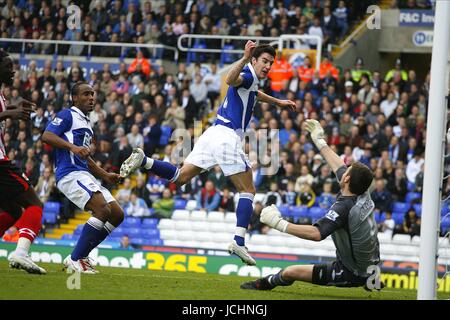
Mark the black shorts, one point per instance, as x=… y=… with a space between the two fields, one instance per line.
x=335 y=274
x=12 y=181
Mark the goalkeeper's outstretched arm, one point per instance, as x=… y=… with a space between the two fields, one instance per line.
x=318 y=137
x=271 y=216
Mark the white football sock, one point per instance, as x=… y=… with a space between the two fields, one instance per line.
x=23 y=247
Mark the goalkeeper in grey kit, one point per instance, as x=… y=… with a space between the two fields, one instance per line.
x=350 y=221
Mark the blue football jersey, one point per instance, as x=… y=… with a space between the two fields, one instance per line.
x=236 y=110
x=73 y=126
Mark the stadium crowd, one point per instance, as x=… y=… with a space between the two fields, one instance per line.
x=378 y=119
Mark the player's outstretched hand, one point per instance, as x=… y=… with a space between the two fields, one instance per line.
x=112 y=178
x=82 y=152
x=288 y=103
x=316 y=131
x=248 y=50
x=21 y=110
x=271 y=216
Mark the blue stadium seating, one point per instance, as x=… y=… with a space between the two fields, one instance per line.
x=418 y=208
x=445 y=225
x=196 y=56
x=51 y=206
x=150 y=233
x=180 y=204
x=400 y=207
x=165 y=136
x=137 y=241
x=50 y=217
x=285 y=210
x=316 y=213
x=118 y=232
x=78 y=229
x=410 y=196
x=149 y=223
x=132 y=232
x=379 y=217
x=411 y=186
x=398 y=217
x=153 y=242
x=130 y=222
x=226 y=57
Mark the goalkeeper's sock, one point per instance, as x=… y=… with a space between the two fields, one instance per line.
x=244 y=212
x=163 y=169
x=89 y=238
x=277 y=280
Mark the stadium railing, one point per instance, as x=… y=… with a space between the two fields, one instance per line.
x=89 y=45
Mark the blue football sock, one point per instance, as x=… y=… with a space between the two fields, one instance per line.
x=243 y=212
x=90 y=237
x=165 y=170
x=105 y=232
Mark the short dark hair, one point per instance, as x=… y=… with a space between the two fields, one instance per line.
x=76 y=88
x=264 y=48
x=360 y=178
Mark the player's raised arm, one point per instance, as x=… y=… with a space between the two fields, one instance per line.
x=233 y=77
x=272 y=100
x=318 y=137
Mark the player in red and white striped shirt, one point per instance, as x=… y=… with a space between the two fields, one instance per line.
x=19 y=203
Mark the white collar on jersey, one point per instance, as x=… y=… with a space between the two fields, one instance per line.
x=252 y=71
x=80 y=113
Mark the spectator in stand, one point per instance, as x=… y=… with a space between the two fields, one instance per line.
x=152 y=133
x=156 y=186
x=388 y=225
x=136 y=207
x=46 y=185
x=217 y=177
x=306 y=196
x=279 y=75
x=164 y=206
x=414 y=166
x=141 y=190
x=381 y=197
x=326 y=199
x=141 y=61
x=208 y=198
x=123 y=196
x=273 y=196
x=411 y=224
x=226 y=201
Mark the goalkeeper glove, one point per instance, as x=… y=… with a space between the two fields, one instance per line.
x=317 y=133
x=271 y=216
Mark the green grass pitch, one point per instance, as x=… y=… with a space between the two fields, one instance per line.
x=133 y=284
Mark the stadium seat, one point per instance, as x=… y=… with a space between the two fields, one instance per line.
x=182 y=225
x=150 y=234
x=149 y=223
x=410 y=196
x=401 y=239
x=216 y=226
x=51 y=206
x=118 y=232
x=400 y=207
x=277 y=241
x=199 y=226
x=418 y=208
x=132 y=232
x=78 y=229
x=379 y=217
x=259 y=239
x=180 y=215
x=223 y=237
x=198 y=215
x=137 y=241
x=165 y=135
x=130 y=222
x=416 y=240
x=299 y=211
x=153 y=242
x=215 y=216
x=191 y=205
x=411 y=186
x=316 y=213
x=185 y=235
x=230 y=217
x=384 y=237
x=50 y=217
x=168 y=234
x=398 y=218
x=203 y=236
x=180 y=204
x=284 y=210
x=166 y=224
x=67 y=236
x=226 y=57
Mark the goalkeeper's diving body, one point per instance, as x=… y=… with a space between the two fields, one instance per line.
x=350 y=222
